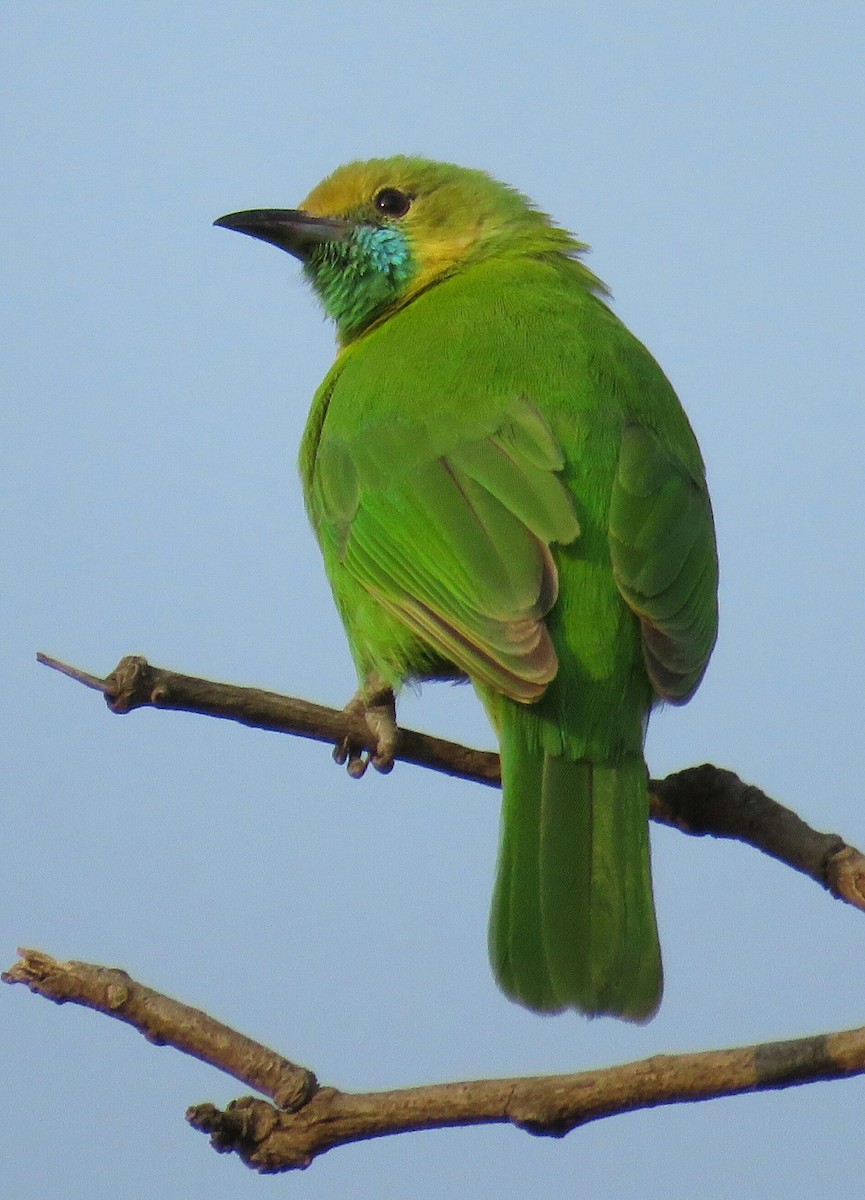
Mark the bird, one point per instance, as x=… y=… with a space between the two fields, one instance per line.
x=505 y=488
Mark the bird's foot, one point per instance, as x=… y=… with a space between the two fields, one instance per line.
x=374 y=702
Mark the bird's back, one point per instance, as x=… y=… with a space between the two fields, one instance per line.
x=444 y=370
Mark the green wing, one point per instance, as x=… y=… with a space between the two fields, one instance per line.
x=662 y=543
x=456 y=546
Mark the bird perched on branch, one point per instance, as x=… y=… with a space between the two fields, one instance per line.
x=506 y=488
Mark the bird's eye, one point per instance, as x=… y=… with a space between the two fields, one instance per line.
x=392 y=202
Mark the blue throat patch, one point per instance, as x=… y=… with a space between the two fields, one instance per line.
x=357 y=279
x=386 y=251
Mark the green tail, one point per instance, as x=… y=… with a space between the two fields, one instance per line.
x=573 y=917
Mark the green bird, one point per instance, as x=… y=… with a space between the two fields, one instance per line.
x=505 y=488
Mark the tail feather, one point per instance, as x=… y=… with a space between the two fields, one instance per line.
x=573 y=920
x=516 y=924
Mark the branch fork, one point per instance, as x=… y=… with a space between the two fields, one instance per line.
x=301 y=1119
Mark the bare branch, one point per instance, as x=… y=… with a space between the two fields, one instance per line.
x=134 y=683
x=312 y=1119
x=164 y=1021
x=699 y=800
x=711 y=800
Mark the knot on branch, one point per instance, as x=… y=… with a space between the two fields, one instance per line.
x=844 y=874
x=693 y=799
x=130 y=685
x=266 y=1139
x=239 y=1129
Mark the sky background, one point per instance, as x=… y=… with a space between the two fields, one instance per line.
x=156 y=375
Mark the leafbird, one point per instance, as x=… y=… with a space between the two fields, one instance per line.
x=505 y=488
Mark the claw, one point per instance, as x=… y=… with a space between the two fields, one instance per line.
x=357 y=766
x=348 y=755
x=376 y=704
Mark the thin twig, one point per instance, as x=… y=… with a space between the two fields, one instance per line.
x=312 y=1119
x=699 y=800
x=164 y=1021
x=91 y=681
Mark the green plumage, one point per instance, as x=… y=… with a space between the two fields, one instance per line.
x=505 y=487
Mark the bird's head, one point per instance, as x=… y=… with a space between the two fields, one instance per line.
x=375 y=234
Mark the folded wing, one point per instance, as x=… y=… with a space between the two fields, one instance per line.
x=662 y=544
x=457 y=546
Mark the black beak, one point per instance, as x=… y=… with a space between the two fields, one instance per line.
x=290 y=229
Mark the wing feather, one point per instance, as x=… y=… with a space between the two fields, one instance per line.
x=662 y=544
x=458 y=547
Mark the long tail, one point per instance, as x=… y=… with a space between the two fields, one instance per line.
x=573 y=917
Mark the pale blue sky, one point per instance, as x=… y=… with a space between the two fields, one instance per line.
x=157 y=374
